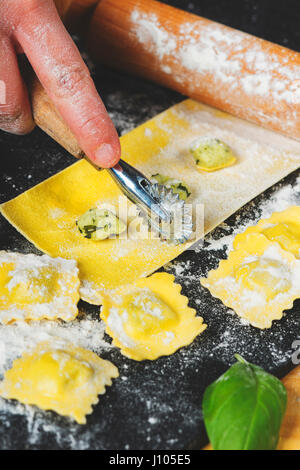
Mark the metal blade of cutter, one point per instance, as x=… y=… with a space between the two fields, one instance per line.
x=181 y=227
x=163 y=210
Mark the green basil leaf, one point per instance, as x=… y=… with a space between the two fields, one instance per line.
x=243 y=409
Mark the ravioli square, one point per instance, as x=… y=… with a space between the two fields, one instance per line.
x=65 y=379
x=282 y=227
x=36 y=287
x=259 y=280
x=150 y=318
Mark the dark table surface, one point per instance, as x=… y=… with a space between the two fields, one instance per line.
x=158 y=404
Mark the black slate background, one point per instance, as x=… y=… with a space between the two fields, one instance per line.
x=154 y=405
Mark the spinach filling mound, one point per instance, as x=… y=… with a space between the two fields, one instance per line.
x=99 y=224
x=178 y=187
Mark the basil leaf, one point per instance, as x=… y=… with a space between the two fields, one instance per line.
x=244 y=408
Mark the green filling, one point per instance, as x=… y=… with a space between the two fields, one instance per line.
x=99 y=224
x=210 y=153
x=178 y=187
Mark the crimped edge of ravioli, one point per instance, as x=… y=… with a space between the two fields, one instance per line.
x=111 y=372
x=13 y=313
x=286 y=215
x=225 y=269
x=177 y=302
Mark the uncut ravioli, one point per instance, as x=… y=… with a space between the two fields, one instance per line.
x=150 y=318
x=282 y=227
x=64 y=379
x=258 y=281
x=35 y=287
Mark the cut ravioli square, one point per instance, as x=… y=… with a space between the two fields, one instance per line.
x=258 y=281
x=64 y=379
x=282 y=227
x=150 y=318
x=36 y=287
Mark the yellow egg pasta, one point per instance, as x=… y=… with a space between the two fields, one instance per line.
x=47 y=213
x=259 y=280
x=35 y=287
x=150 y=318
x=282 y=227
x=64 y=379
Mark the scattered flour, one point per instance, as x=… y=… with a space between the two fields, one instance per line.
x=208 y=48
x=115 y=322
x=56 y=213
x=128 y=109
x=284 y=277
x=226 y=339
x=245 y=69
x=21 y=337
x=282 y=199
x=39 y=273
x=148 y=132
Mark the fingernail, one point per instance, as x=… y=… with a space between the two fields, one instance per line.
x=105 y=156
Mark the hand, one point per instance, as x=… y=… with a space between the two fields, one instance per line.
x=34 y=27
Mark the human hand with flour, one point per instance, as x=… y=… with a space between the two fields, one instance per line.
x=34 y=27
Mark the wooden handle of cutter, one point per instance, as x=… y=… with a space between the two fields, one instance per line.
x=225 y=68
x=74 y=14
x=44 y=112
x=47 y=118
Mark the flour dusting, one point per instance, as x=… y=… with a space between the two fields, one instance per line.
x=247 y=68
x=219 y=50
x=283 y=198
x=21 y=337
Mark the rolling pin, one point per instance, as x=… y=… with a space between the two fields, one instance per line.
x=238 y=73
x=47 y=117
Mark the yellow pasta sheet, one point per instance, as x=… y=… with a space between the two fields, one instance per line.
x=47 y=213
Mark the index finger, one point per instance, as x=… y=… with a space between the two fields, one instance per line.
x=66 y=79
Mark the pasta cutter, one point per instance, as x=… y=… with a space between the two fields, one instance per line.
x=163 y=210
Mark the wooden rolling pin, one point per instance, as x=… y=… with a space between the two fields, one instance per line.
x=246 y=76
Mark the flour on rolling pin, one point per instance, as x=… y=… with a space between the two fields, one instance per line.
x=241 y=74
x=211 y=48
